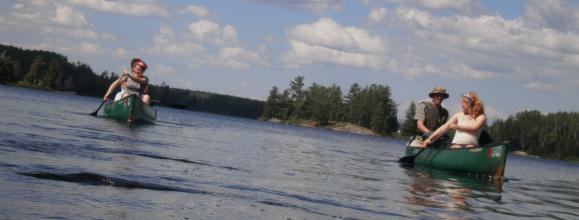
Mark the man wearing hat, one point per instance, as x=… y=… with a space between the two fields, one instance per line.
x=431 y=115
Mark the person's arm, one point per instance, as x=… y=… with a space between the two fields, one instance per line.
x=478 y=124
x=420 y=116
x=112 y=88
x=421 y=127
x=441 y=130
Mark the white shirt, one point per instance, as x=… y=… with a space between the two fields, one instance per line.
x=464 y=137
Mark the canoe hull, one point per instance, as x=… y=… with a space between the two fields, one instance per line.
x=130 y=109
x=487 y=160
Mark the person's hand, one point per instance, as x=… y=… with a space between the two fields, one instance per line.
x=453 y=126
x=426 y=142
x=106 y=98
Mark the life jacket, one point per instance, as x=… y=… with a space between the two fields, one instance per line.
x=434 y=117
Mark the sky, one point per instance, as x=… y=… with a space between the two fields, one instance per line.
x=517 y=55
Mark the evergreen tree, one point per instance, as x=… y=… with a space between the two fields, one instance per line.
x=335 y=103
x=52 y=74
x=317 y=104
x=408 y=127
x=270 y=107
x=6 y=69
x=35 y=71
x=553 y=136
x=353 y=105
x=382 y=110
x=297 y=95
x=284 y=106
x=17 y=71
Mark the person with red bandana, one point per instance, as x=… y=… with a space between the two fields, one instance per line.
x=133 y=83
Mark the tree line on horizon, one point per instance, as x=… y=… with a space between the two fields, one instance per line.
x=554 y=135
x=371 y=107
x=51 y=71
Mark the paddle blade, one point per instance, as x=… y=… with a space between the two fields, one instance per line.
x=97 y=110
x=407 y=159
x=410 y=159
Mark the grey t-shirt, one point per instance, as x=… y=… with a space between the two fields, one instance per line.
x=133 y=87
x=419 y=114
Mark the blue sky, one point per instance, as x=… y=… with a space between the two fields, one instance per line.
x=518 y=55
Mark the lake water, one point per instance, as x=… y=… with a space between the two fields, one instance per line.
x=56 y=161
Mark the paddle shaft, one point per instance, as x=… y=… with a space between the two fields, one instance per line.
x=97 y=110
x=410 y=159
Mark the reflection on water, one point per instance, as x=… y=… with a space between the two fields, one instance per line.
x=450 y=193
x=57 y=162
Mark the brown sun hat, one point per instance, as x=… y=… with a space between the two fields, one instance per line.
x=438 y=90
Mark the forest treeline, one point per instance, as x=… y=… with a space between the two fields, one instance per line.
x=371 y=107
x=554 y=135
x=51 y=71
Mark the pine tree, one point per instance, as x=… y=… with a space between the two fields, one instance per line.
x=6 y=69
x=35 y=71
x=353 y=105
x=408 y=127
x=52 y=74
x=297 y=95
x=270 y=107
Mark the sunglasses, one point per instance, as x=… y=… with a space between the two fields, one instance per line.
x=468 y=98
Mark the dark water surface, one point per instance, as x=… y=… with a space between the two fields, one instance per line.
x=58 y=162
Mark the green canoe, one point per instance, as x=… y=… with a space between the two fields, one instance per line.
x=488 y=160
x=130 y=109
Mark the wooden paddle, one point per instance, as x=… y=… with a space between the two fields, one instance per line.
x=97 y=110
x=410 y=159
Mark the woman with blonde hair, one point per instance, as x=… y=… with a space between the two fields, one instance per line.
x=468 y=123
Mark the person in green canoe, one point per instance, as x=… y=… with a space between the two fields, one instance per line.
x=469 y=123
x=131 y=83
x=431 y=115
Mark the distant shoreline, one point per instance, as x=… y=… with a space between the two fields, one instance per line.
x=333 y=125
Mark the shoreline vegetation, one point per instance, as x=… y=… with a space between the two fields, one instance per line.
x=367 y=110
x=332 y=125
x=50 y=71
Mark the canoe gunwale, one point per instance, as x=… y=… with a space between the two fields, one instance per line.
x=488 y=159
x=131 y=109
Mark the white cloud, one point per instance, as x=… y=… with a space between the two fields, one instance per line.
x=133 y=8
x=555 y=14
x=312 y=5
x=88 y=47
x=201 y=45
x=66 y=16
x=480 y=47
x=235 y=58
x=209 y=31
x=165 y=43
x=377 y=15
x=56 y=26
x=196 y=10
x=326 y=41
x=466 y=7
x=120 y=53
x=165 y=71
